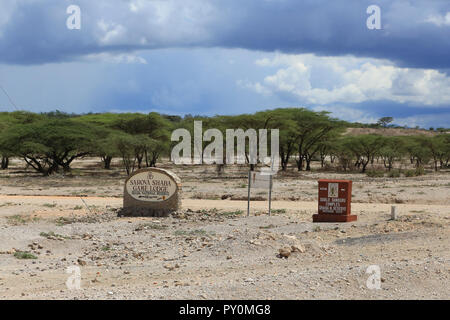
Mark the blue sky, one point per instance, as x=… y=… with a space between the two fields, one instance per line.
x=229 y=57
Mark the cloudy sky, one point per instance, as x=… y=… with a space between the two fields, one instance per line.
x=229 y=57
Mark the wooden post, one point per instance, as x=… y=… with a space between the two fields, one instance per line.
x=393 y=213
x=248 y=197
x=270 y=195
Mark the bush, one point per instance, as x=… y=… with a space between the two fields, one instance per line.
x=375 y=173
x=394 y=174
x=420 y=171
x=409 y=173
x=24 y=255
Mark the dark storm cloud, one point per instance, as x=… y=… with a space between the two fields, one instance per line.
x=414 y=33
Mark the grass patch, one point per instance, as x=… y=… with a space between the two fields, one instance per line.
x=62 y=221
x=51 y=234
x=278 y=211
x=196 y=233
x=49 y=205
x=24 y=255
x=270 y=226
x=7 y=204
x=231 y=213
x=77 y=208
x=17 y=219
x=375 y=173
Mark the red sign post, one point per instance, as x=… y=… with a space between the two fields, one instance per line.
x=335 y=197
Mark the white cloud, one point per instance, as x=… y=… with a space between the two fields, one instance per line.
x=115 y=58
x=111 y=33
x=348 y=114
x=326 y=80
x=439 y=20
x=425 y=120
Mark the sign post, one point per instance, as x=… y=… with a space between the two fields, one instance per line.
x=248 y=197
x=151 y=192
x=259 y=180
x=335 y=198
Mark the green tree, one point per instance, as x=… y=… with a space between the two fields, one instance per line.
x=48 y=145
x=364 y=148
x=393 y=149
x=385 y=121
x=153 y=132
x=417 y=148
x=313 y=128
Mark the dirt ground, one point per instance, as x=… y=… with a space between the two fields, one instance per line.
x=211 y=249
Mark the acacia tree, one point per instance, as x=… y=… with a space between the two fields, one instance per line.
x=313 y=128
x=438 y=148
x=49 y=145
x=393 y=149
x=153 y=133
x=106 y=148
x=364 y=148
x=444 y=150
x=344 y=155
x=125 y=144
x=385 y=121
x=7 y=121
x=417 y=150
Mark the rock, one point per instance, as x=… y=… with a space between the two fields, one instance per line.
x=284 y=252
x=298 y=248
x=81 y=262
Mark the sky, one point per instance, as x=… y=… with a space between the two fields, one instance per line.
x=229 y=57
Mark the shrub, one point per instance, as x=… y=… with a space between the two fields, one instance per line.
x=420 y=171
x=394 y=174
x=24 y=255
x=409 y=173
x=375 y=173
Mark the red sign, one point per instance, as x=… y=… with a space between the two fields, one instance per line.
x=335 y=197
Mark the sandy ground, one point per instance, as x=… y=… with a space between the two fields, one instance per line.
x=211 y=250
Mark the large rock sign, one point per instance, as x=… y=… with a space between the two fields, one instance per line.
x=335 y=198
x=151 y=192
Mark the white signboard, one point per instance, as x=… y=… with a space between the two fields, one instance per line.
x=151 y=186
x=259 y=181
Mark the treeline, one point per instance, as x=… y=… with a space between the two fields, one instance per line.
x=50 y=142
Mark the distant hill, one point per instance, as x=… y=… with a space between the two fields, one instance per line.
x=390 y=132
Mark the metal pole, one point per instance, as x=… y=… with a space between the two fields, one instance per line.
x=248 y=197
x=270 y=195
